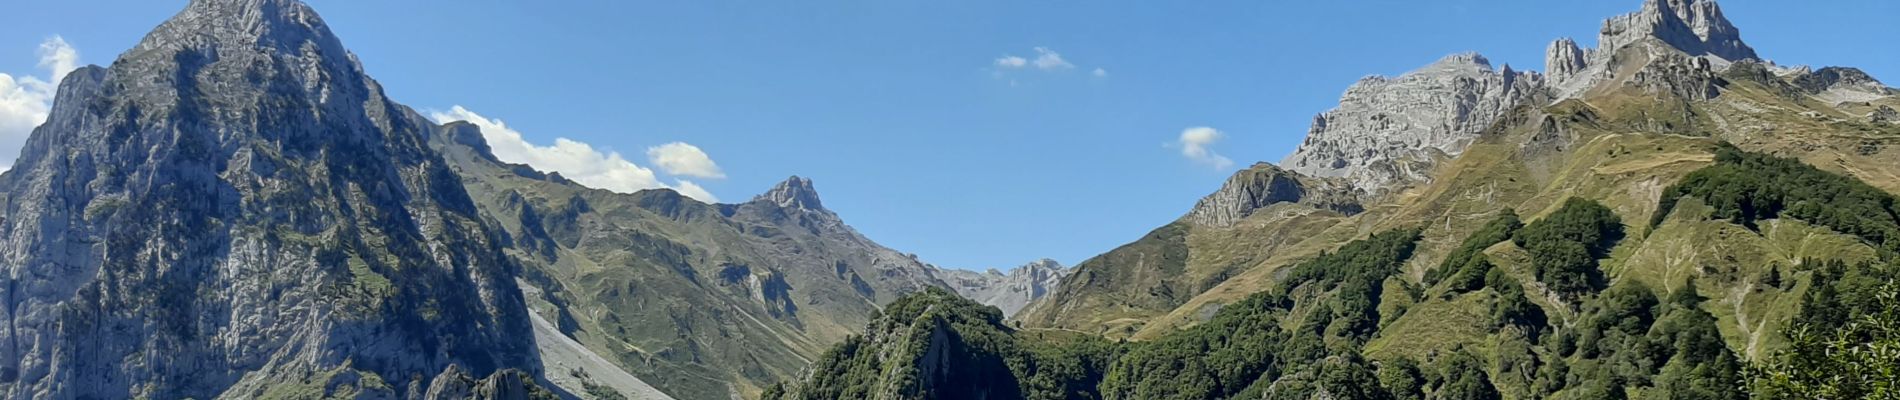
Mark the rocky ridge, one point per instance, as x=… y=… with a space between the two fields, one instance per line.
x=1008 y=291
x=722 y=299
x=1388 y=132
x=1263 y=185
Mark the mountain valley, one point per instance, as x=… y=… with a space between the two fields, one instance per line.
x=233 y=208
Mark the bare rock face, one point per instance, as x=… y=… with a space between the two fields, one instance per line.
x=796 y=193
x=1008 y=291
x=1391 y=132
x=1674 y=46
x=1838 y=85
x=1387 y=132
x=1696 y=27
x=1265 y=184
x=233 y=209
x=1884 y=115
x=1564 y=59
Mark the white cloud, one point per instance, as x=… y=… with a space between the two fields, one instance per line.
x=1197 y=145
x=1011 y=62
x=575 y=160
x=679 y=158
x=1100 y=73
x=26 y=100
x=59 y=57
x=1049 y=60
x=693 y=190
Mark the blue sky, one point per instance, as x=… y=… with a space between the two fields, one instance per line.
x=900 y=111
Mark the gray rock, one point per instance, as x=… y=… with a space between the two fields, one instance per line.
x=794 y=193
x=1564 y=59
x=1837 y=85
x=1008 y=291
x=1696 y=27
x=1391 y=132
x=1388 y=132
x=1675 y=46
x=1884 y=115
x=1265 y=184
x=234 y=209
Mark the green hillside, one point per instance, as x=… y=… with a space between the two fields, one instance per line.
x=1721 y=296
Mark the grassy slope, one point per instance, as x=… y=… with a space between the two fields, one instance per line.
x=1168 y=266
x=641 y=279
x=1620 y=149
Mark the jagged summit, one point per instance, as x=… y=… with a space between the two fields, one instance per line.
x=1672 y=45
x=795 y=193
x=1696 y=27
x=286 y=26
x=1387 y=130
x=1011 y=290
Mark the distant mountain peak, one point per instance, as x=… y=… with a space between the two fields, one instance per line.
x=1665 y=37
x=288 y=26
x=1010 y=290
x=1696 y=27
x=794 y=192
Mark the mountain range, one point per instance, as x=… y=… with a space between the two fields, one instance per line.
x=1641 y=219
x=235 y=194
x=235 y=209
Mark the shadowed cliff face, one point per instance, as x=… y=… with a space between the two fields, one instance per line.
x=234 y=209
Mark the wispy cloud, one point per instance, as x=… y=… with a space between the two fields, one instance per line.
x=26 y=100
x=58 y=56
x=679 y=158
x=1045 y=60
x=574 y=160
x=1050 y=60
x=1197 y=143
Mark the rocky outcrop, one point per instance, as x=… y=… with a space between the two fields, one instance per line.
x=1388 y=132
x=1008 y=291
x=1391 y=132
x=1265 y=184
x=455 y=383
x=1564 y=59
x=1673 y=46
x=793 y=193
x=234 y=209
x=1837 y=85
x=1695 y=27
x=1884 y=115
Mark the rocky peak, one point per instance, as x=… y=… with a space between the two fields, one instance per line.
x=1563 y=59
x=793 y=193
x=1264 y=185
x=1008 y=291
x=1696 y=27
x=282 y=26
x=1388 y=131
x=1671 y=45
